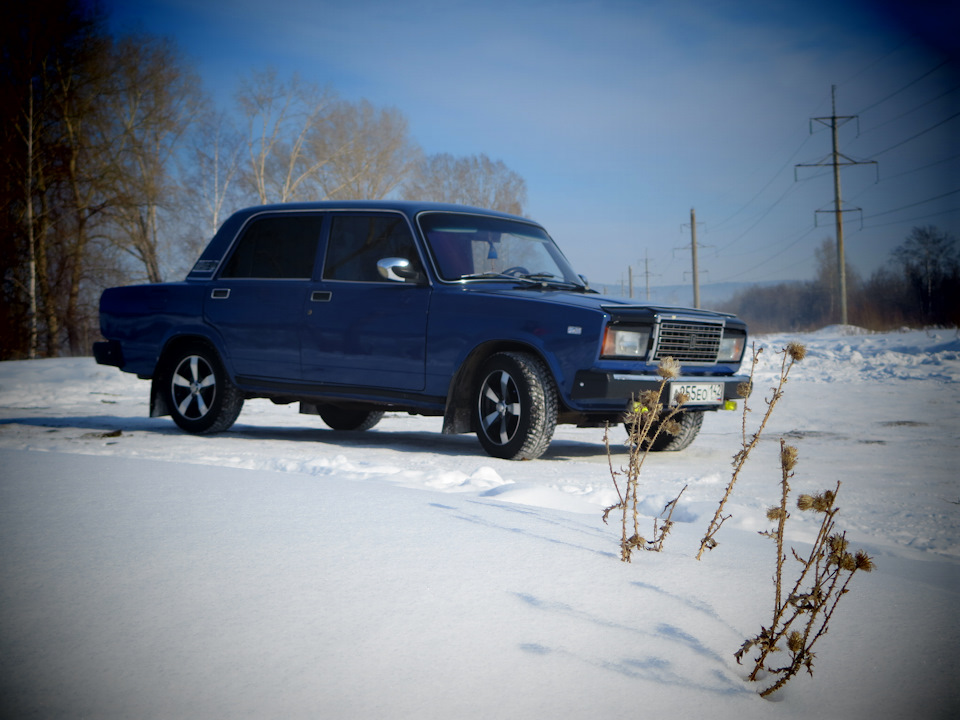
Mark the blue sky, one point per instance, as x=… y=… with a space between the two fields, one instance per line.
x=623 y=115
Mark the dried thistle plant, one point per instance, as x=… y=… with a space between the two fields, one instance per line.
x=645 y=421
x=794 y=352
x=801 y=619
x=660 y=534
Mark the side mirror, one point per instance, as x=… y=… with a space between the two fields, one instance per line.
x=397 y=269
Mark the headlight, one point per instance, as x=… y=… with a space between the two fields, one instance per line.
x=618 y=342
x=732 y=345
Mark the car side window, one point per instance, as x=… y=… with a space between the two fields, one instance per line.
x=276 y=247
x=357 y=242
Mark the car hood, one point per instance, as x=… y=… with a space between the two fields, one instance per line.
x=589 y=300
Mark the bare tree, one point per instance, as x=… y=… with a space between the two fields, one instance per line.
x=51 y=71
x=282 y=117
x=827 y=283
x=928 y=257
x=370 y=151
x=154 y=100
x=475 y=180
x=217 y=153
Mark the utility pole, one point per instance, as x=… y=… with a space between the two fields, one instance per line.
x=837 y=159
x=646 y=271
x=693 y=252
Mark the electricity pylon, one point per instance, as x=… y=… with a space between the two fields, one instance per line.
x=837 y=159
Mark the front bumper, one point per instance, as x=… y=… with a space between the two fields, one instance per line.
x=617 y=389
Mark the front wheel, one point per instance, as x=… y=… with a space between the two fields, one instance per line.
x=689 y=421
x=515 y=406
x=200 y=395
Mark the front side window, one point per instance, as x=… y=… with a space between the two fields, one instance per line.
x=277 y=247
x=358 y=242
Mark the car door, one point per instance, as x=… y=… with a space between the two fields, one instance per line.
x=363 y=329
x=257 y=303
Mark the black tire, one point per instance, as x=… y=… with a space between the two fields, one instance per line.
x=200 y=395
x=689 y=421
x=348 y=418
x=515 y=406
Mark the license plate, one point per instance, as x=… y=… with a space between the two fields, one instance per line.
x=698 y=393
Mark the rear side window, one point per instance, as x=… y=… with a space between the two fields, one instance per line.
x=358 y=242
x=276 y=247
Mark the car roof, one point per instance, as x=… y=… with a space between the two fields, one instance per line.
x=411 y=208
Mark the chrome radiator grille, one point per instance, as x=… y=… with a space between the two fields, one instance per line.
x=688 y=341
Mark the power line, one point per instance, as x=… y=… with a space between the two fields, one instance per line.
x=919 y=134
x=905 y=87
x=790 y=189
x=908 y=112
x=777 y=254
x=873 y=64
x=903 y=221
x=764 y=188
x=906 y=207
x=914 y=170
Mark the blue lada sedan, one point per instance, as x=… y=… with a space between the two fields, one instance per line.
x=356 y=308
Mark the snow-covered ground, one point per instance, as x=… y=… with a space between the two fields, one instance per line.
x=281 y=570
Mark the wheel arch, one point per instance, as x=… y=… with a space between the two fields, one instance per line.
x=457 y=415
x=173 y=345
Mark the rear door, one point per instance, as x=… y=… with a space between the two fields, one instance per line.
x=258 y=302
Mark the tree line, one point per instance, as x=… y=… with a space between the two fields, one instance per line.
x=118 y=167
x=919 y=286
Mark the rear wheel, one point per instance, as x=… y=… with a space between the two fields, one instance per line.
x=200 y=395
x=348 y=418
x=515 y=406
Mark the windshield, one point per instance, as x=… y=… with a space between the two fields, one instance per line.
x=468 y=247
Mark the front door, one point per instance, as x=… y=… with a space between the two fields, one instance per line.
x=362 y=329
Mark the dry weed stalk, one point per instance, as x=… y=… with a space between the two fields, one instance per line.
x=801 y=619
x=659 y=535
x=792 y=353
x=645 y=421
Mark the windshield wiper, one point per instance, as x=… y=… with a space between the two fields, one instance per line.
x=540 y=279
x=498 y=276
x=545 y=279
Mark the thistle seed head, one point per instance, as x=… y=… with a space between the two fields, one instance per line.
x=796 y=351
x=775 y=513
x=669 y=368
x=681 y=398
x=649 y=399
x=745 y=388
x=863 y=561
x=838 y=543
x=817 y=503
x=795 y=642
x=788 y=457
x=671 y=427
